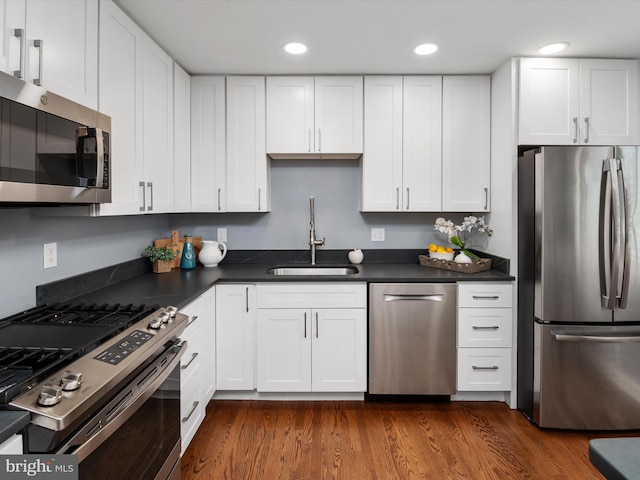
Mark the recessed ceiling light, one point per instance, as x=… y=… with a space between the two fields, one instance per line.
x=295 y=48
x=425 y=49
x=553 y=48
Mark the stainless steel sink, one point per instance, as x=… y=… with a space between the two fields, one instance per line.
x=310 y=270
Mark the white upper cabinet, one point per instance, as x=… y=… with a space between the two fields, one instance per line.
x=54 y=44
x=247 y=188
x=568 y=101
x=466 y=143
x=314 y=115
x=208 y=144
x=181 y=139
x=136 y=91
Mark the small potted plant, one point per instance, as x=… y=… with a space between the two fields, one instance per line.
x=161 y=257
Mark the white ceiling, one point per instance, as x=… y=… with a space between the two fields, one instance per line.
x=377 y=36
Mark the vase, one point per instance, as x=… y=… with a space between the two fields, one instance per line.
x=356 y=256
x=162 y=266
x=462 y=258
x=188 y=261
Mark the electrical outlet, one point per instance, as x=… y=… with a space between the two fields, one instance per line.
x=377 y=234
x=222 y=235
x=50 y=255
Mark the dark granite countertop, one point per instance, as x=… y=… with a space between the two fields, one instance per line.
x=616 y=458
x=134 y=282
x=11 y=423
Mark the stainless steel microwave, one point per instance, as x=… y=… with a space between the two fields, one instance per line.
x=52 y=150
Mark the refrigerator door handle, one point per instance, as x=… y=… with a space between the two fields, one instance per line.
x=610 y=234
x=566 y=337
x=626 y=231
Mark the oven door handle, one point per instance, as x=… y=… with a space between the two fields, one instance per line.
x=113 y=415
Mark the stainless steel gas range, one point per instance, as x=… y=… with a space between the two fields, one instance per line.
x=101 y=382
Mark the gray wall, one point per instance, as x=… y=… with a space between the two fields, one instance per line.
x=86 y=244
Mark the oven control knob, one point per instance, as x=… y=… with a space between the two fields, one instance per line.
x=50 y=395
x=172 y=311
x=155 y=323
x=71 y=380
x=165 y=317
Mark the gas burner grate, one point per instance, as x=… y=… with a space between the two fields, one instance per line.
x=87 y=314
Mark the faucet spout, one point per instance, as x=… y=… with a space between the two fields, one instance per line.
x=313 y=241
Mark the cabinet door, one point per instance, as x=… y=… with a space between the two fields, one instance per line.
x=121 y=98
x=290 y=114
x=235 y=345
x=338 y=114
x=466 y=148
x=12 y=18
x=284 y=350
x=549 y=101
x=382 y=159
x=246 y=149
x=339 y=350
x=157 y=130
x=181 y=139
x=422 y=144
x=67 y=60
x=208 y=140
x=608 y=102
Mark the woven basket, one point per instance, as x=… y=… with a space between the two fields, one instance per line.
x=162 y=266
x=473 y=267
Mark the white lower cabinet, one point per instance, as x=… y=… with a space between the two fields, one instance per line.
x=197 y=372
x=320 y=348
x=12 y=446
x=485 y=322
x=235 y=333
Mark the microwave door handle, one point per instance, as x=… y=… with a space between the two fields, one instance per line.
x=99 y=158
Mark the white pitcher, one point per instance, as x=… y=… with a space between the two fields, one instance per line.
x=212 y=253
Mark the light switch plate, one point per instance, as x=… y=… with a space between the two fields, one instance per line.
x=222 y=234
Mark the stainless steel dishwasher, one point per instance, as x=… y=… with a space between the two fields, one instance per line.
x=412 y=339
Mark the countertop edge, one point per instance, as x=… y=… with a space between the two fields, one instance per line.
x=11 y=423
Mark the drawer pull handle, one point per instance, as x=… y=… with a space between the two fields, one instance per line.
x=475 y=367
x=486 y=297
x=193 y=409
x=193 y=357
x=193 y=319
x=480 y=327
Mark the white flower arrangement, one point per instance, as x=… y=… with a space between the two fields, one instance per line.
x=460 y=235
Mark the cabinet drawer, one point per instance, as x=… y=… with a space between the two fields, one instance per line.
x=312 y=295
x=192 y=410
x=484 y=327
x=191 y=361
x=484 y=369
x=489 y=295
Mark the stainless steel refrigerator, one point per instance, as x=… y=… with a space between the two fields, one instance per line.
x=579 y=287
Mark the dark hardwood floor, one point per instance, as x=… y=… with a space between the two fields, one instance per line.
x=269 y=440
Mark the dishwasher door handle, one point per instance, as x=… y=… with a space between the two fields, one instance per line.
x=399 y=297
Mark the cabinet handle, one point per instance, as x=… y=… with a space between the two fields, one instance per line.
x=407 y=198
x=305 y=324
x=247 y=299
x=586 y=138
x=219 y=194
x=19 y=33
x=316 y=324
x=193 y=409
x=486 y=198
x=319 y=140
x=309 y=140
x=150 y=185
x=259 y=199
x=193 y=319
x=575 y=125
x=480 y=327
x=397 y=198
x=475 y=367
x=193 y=357
x=39 y=44
x=485 y=297
x=144 y=197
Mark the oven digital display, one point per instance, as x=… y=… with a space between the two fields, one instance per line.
x=129 y=344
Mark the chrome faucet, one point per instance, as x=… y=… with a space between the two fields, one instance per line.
x=313 y=242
